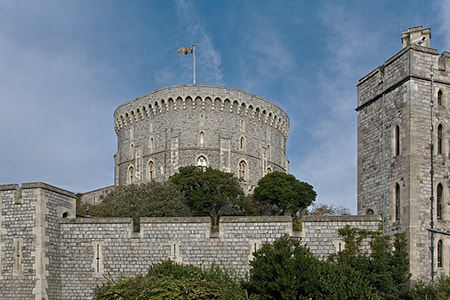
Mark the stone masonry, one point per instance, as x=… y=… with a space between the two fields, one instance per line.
x=226 y=129
x=47 y=253
x=403 y=111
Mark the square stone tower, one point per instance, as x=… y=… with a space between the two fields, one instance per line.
x=403 y=150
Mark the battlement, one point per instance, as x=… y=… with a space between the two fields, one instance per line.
x=203 y=97
x=49 y=254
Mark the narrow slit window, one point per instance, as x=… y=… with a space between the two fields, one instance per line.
x=439 y=195
x=439 y=139
x=397 y=202
x=440 y=259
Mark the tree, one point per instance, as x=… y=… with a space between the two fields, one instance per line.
x=283 y=193
x=437 y=290
x=168 y=280
x=288 y=270
x=320 y=209
x=153 y=199
x=209 y=191
x=385 y=266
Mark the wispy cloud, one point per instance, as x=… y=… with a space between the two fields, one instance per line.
x=266 y=55
x=443 y=12
x=209 y=60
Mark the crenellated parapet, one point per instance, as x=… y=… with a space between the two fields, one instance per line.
x=206 y=97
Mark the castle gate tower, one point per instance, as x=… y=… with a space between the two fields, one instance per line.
x=209 y=126
x=403 y=150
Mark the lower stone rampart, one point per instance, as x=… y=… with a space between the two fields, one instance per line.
x=47 y=253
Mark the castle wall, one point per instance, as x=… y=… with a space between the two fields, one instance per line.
x=171 y=128
x=320 y=233
x=48 y=254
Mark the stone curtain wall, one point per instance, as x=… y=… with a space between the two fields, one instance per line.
x=172 y=127
x=46 y=253
x=320 y=234
x=95 y=248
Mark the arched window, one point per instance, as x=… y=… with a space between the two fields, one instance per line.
x=396 y=140
x=439 y=139
x=202 y=162
x=268 y=152
x=242 y=125
x=242 y=170
x=151 y=171
x=201 y=139
x=439 y=195
x=440 y=259
x=242 y=143
x=268 y=170
x=439 y=98
x=130 y=178
x=397 y=201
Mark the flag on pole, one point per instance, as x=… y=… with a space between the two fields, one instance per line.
x=186 y=50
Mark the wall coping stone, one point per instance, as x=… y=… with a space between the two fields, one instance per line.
x=37 y=185
x=344 y=218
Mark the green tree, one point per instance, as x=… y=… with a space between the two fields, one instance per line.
x=168 y=280
x=385 y=267
x=437 y=290
x=320 y=209
x=209 y=192
x=153 y=199
x=282 y=193
x=288 y=270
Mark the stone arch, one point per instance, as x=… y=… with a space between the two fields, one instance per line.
x=131 y=173
x=163 y=106
x=151 y=173
x=440 y=98
x=157 y=108
x=243 y=169
x=250 y=111
x=201 y=161
x=198 y=103
x=270 y=119
x=188 y=103
x=257 y=113
x=235 y=107
x=226 y=106
x=243 y=109
x=171 y=105
x=217 y=104
x=208 y=103
x=264 y=116
x=179 y=104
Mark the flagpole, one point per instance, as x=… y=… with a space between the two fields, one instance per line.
x=193 y=52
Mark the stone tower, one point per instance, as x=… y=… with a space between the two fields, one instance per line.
x=211 y=126
x=403 y=150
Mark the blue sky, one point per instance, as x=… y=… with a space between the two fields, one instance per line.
x=66 y=65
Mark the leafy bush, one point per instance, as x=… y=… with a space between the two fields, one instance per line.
x=168 y=280
x=439 y=290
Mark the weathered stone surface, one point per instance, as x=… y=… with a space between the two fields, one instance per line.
x=399 y=94
x=46 y=256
